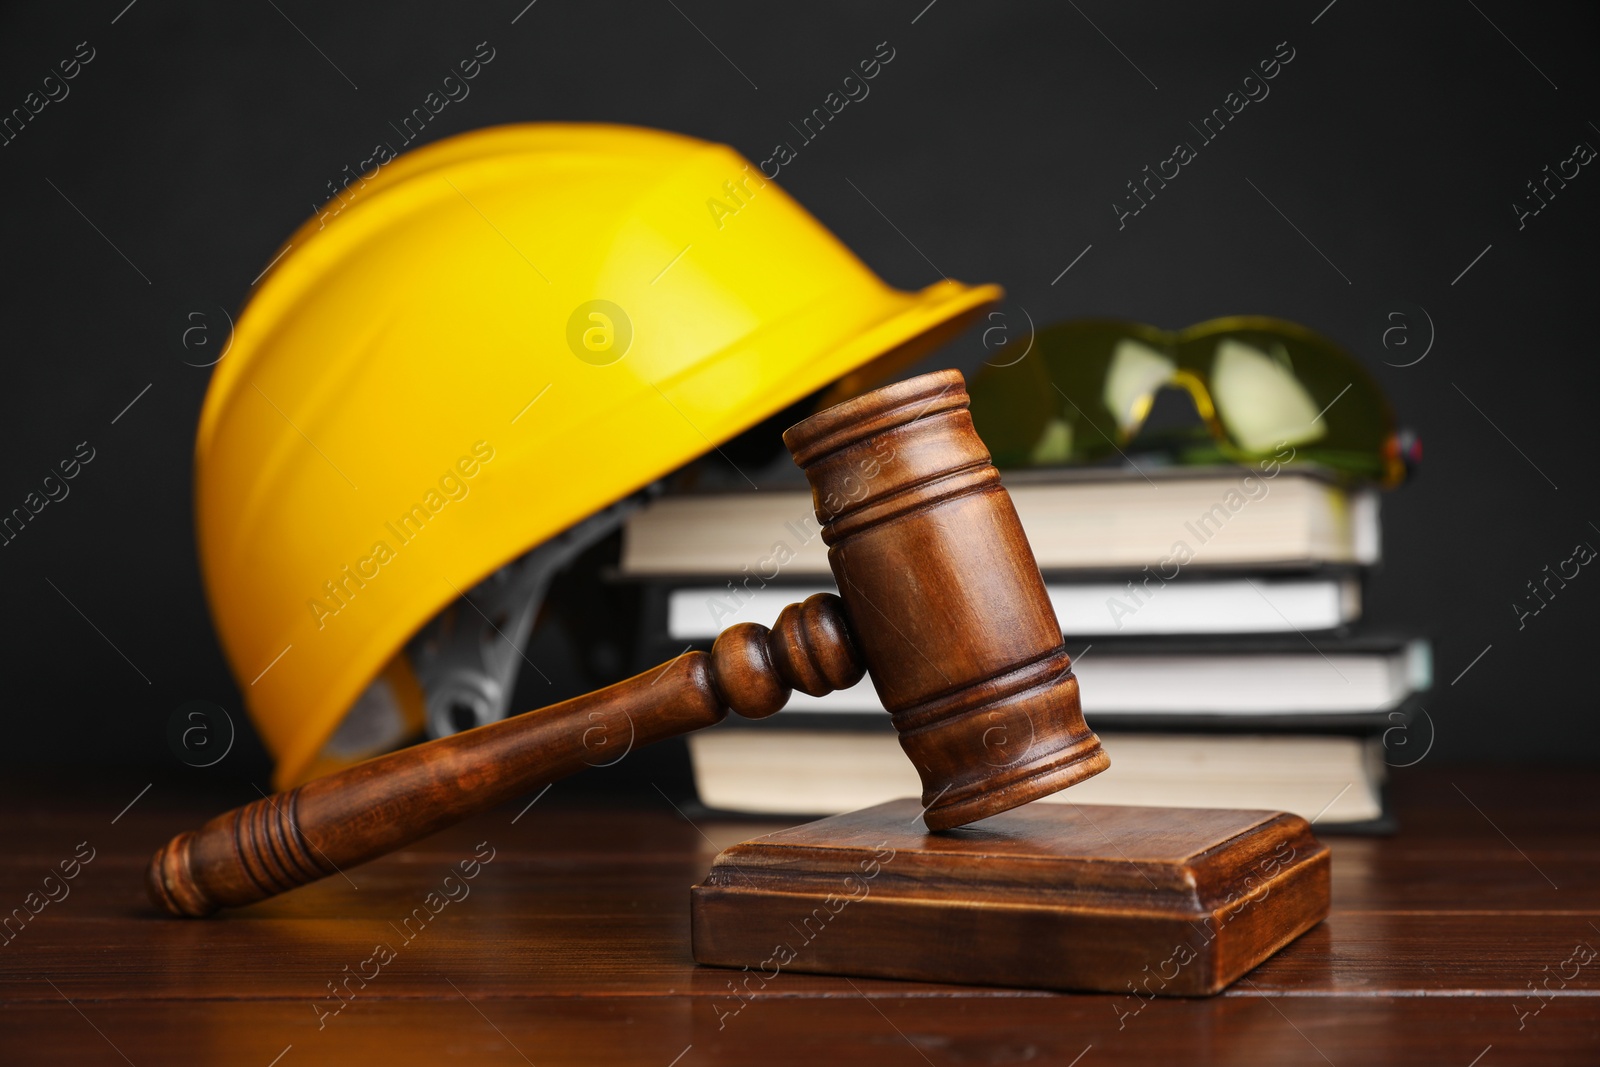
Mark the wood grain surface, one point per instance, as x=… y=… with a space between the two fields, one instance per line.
x=570 y=944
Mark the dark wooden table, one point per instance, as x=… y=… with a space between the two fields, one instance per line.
x=1452 y=942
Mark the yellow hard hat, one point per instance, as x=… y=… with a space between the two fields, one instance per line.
x=475 y=348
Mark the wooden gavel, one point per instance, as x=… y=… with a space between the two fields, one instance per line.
x=940 y=599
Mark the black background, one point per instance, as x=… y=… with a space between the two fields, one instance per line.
x=996 y=141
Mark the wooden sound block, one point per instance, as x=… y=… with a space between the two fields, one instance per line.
x=1169 y=901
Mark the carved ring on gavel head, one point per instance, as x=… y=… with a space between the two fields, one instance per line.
x=940 y=600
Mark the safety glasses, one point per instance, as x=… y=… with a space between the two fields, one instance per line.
x=1263 y=388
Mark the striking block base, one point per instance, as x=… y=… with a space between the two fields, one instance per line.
x=1168 y=901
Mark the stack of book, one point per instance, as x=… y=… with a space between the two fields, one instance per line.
x=1212 y=615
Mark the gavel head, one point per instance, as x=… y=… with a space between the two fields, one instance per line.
x=944 y=599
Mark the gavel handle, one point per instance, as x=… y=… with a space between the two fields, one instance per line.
x=277 y=843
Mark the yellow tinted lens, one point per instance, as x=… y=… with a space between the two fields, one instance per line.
x=1135 y=372
x=1277 y=384
x=1258 y=398
x=1078 y=396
